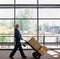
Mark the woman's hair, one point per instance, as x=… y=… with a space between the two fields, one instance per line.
x=17 y=25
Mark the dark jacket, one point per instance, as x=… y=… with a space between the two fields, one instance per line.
x=18 y=37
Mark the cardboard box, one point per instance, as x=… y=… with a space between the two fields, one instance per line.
x=34 y=43
x=43 y=50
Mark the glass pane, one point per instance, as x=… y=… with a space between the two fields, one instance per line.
x=6 y=13
x=49 y=30
x=52 y=46
x=51 y=39
x=12 y=47
x=49 y=27
x=26 y=1
x=6 y=46
x=6 y=39
x=49 y=1
x=26 y=13
x=6 y=1
x=41 y=39
x=49 y=13
x=6 y=27
x=27 y=27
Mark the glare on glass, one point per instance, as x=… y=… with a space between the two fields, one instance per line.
x=49 y=13
x=26 y=13
x=6 y=13
x=49 y=1
x=6 y=1
x=26 y=1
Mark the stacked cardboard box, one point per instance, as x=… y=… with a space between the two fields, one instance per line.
x=43 y=50
x=34 y=43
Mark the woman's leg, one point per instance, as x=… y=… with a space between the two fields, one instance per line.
x=21 y=51
x=13 y=51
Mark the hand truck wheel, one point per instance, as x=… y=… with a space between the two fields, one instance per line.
x=36 y=55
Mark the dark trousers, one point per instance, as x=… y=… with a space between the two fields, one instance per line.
x=15 y=49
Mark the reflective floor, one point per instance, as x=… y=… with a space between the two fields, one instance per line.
x=51 y=54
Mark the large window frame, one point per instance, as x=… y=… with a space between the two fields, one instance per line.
x=36 y=6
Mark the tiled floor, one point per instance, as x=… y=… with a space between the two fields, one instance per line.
x=55 y=54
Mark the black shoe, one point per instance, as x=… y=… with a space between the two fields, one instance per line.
x=11 y=57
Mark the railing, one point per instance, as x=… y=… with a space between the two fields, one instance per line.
x=55 y=44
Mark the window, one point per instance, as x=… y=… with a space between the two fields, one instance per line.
x=27 y=28
x=26 y=13
x=49 y=32
x=6 y=33
x=49 y=13
x=6 y=27
x=37 y=18
x=6 y=13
